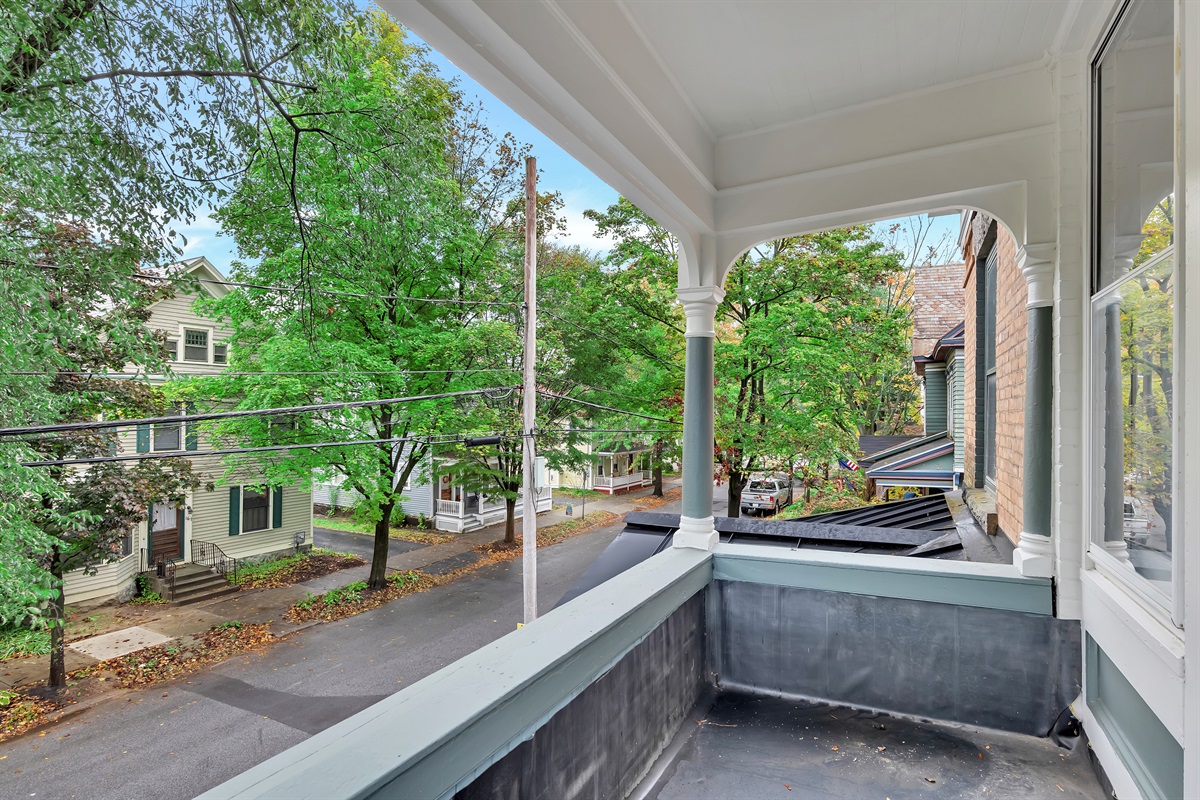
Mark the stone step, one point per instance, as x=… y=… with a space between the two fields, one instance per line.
x=196 y=595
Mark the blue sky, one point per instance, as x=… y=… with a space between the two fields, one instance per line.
x=580 y=189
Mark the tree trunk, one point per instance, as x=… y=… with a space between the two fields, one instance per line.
x=379 y=555
x=58 y=656
x=510 y=516
x=737 y=482
x=658 y=470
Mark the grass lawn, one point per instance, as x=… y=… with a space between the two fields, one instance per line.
x=349 y=525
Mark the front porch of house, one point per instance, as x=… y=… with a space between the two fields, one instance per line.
x=1063 y=124
x=460 y=511
x=634 y=688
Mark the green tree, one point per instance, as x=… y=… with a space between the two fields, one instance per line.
x=116 y=119
x=397 y=261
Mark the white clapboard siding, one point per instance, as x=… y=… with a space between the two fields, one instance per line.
x=109 y=580
x=210 y=523
x=417 y=498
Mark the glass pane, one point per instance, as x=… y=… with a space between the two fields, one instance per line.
x=989 y=427
x=1134 y=328
x=167 y=437
x=219 y=352
x=989 y=312
x=165 y=517
x=1135 y=86
x=1133 y=305
x=255 y=510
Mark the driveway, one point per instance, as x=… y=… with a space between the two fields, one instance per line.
x=178 y=740
x=360 y=544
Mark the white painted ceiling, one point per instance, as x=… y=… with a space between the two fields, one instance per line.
x=752 y=64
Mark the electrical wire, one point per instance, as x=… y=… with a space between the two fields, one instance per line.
x=295 y=290
x=185 y=376
x=594 y=405
x=185 y=418
x=62 y=462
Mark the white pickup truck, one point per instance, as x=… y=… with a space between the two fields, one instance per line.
x=766 y=495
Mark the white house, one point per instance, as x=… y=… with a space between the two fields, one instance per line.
x=241 y=520
x=617 y=467
x=437 y=498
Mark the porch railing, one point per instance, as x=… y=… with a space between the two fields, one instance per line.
x=450 y=508
x=208 y=554
x=633 y=479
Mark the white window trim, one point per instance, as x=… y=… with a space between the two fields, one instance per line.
x=270 y=493
x=182 y=435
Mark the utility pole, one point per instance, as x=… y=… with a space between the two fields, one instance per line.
x=529 y=406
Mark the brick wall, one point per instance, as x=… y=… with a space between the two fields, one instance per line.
x=1011 y=327
x=1011 y=296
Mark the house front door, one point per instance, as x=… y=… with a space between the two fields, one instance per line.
x=166 y=532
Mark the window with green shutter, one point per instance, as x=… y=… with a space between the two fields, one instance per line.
x=277 y=507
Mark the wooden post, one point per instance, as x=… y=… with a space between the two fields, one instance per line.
x=529 y=450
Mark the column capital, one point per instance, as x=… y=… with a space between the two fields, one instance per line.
x=700 y=305
x=1037 y=265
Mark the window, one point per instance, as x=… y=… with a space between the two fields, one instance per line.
x=220 y=352
x=172 y=349
x=1133 y=315
x=195 y=345
x=168 y=436
x=988 y=366
x=256 y=510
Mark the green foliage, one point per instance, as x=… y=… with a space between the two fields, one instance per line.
x=23 y=641
x=350 y=593
x=250 y=573
x=146 y=595
x=410 y=578
x=229 y=625
x=116 y=121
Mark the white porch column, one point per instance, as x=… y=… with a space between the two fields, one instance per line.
x=1034 y=555
x=696 y=522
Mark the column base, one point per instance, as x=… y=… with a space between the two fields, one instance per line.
x=1118 y=550
x=1034 y=556
x=698 y=534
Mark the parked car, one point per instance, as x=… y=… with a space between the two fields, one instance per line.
x=1137 y=522
x=767 y=495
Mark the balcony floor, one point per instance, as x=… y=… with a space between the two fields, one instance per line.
x=760 y=747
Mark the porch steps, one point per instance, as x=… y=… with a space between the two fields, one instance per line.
x=194 y=584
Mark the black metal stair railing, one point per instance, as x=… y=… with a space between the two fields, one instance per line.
x=208 y=554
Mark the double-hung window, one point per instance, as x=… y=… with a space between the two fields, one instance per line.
x=256 y=509
x=169 y=436
x=988 y=367
x=195 y=345
x=1133 y=309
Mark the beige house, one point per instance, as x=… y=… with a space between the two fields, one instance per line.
x=236 y=515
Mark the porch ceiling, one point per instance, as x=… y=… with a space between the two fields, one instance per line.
x=733 y=122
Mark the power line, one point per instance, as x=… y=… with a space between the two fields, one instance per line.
x=297 y=290
x=594 y=405
x=269 y=373
x=185 y=418
x=240 y=450
x=199 y=453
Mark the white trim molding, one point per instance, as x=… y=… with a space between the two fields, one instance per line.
x=1036 y=262
x=696 y=534
x=700 y=306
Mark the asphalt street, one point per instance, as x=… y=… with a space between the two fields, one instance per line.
x=358 y=543
x=180 y=739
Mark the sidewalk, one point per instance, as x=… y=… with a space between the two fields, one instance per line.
x=268 y=605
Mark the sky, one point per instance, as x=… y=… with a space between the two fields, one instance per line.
x=580 y=189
